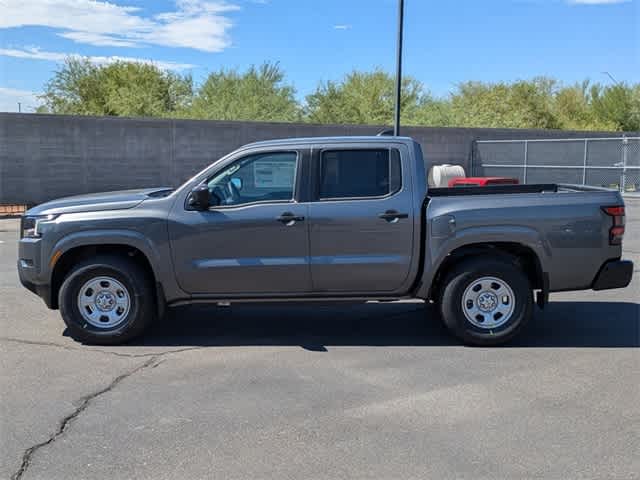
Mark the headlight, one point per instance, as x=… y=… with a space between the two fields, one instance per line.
x=30 y=226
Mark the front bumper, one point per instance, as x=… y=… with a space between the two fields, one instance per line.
x=43 y=291
x=30 y=269
x=613 y=274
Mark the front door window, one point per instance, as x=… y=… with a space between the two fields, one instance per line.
x=264 y=177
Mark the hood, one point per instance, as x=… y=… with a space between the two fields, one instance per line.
x=95 y=202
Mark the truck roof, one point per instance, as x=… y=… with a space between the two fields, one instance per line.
x=343 y=139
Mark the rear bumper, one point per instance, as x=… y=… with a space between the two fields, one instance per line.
x=613 y=274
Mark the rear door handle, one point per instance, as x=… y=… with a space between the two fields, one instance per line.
x=289 y=218
x=392 y=215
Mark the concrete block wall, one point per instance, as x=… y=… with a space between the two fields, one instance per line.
x=49 y=156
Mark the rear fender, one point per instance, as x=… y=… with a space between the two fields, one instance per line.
x=439 y=249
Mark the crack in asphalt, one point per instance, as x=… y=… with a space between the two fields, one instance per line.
x=106 y=352
x=154 y=361
x=84 y=403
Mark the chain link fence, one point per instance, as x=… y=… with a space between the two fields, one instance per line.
x=600 y=162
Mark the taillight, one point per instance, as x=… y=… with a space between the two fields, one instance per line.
x=616 y=232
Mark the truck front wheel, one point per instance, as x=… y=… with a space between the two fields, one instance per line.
x=106 y=300
x=486 y=301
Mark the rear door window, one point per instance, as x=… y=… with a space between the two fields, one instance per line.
x=362 y=173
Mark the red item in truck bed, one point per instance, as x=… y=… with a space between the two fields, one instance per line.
x=481 y=181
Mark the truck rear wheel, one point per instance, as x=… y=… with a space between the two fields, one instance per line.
x=106 y=301
x=486 y=302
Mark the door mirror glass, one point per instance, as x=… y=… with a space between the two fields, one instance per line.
x=237 y=182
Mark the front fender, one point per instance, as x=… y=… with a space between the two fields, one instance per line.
x=123 y=237
x=437 y=248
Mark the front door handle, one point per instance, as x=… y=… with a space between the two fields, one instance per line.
x=392 y=215
x=289 y=218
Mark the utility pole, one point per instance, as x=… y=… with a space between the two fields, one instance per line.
x=19 y=107
x=396 y=126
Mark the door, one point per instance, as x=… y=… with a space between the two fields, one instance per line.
x=253 y=239
x=361 y=222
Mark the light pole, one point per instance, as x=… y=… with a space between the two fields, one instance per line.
x=611 y=77
x=396 y=125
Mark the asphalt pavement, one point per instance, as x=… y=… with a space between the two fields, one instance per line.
x=322 y=392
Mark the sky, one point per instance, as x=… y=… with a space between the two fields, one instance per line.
x=446 y=42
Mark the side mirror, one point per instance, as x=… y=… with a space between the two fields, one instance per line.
x=237 y=182
x=200 y=198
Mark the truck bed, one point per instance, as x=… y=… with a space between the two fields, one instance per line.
x=492 y=190
x=565 y=223
x=513 y=189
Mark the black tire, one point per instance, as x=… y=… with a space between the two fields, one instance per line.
x=462 y=276
x=141 y=311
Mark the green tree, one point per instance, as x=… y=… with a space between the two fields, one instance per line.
x=433 y=112
x=617 y=104
x=573 y=109
x=120 y=89
x=258 y=94
x=522 y=104
x=263 y=94
x=363 y=98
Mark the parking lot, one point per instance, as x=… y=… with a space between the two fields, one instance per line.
x=340 y=391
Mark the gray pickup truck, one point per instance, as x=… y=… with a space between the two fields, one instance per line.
x=321 y=219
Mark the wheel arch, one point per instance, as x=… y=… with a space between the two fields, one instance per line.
x=66 y=260
x=520 y=254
